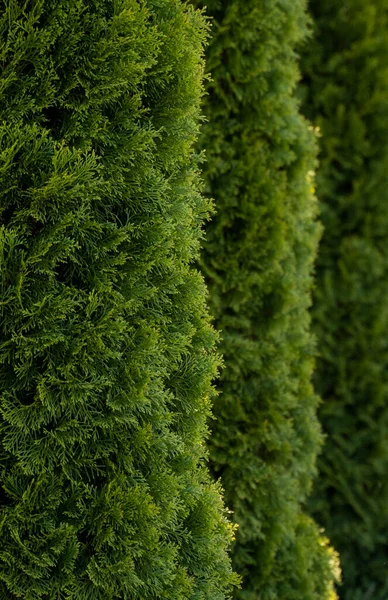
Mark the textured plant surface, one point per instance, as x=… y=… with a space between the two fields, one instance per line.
x=258 y=264
x=346 y=94
x=106 y=353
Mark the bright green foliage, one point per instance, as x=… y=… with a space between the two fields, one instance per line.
x=258 y=263
x=346 y=95
x=307 y=567
x=106 y=352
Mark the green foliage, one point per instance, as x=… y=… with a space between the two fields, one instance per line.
x=346 y=94
x=258 y=264
x=106 y=353
x=306 y=566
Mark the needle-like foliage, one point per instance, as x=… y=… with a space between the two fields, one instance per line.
x=106 y=351
x=258 y=261
x=345 y=90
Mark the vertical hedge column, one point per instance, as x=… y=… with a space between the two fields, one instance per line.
x=258 y=263
x=106 y=352
x=346 y=95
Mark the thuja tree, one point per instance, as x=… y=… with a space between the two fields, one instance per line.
x=106 y=354
x=346 y=94
x=258 y=263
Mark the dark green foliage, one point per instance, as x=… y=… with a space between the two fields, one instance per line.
x=346 y=95
x=106 y=353
x=258 y=263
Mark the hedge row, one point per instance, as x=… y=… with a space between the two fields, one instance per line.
x=106 y=352
x=257 y=261
x=345 y=91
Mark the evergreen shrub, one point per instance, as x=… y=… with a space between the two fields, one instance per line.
x=345 y=93
x=106 y=353
x=258 y=261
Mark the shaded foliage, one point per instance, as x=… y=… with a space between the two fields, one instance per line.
x=345 y=93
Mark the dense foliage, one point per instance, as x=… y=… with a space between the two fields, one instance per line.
x=258 y=264
x=346 y=94
x=106 y=353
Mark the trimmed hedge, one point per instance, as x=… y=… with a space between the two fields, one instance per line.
x=258 y=261
x=106 y=353
x=346 y=94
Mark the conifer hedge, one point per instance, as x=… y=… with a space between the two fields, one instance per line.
x=258 y=264
x=106 y=351
x=345 y=91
